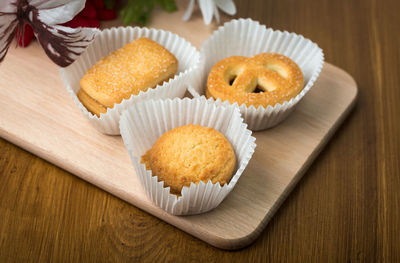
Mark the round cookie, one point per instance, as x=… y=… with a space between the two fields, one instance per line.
x=262 y=80
x=191 y=153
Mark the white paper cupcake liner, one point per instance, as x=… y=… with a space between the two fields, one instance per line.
x=245 y=37
x=144 y=122
x=190 y=68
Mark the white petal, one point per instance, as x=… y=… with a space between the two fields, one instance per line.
x=189 y=11
x=8 y=6
x=63 y=44
x=46 y=4
x=228 y=6
x=207 y=9
x=53 y=12
x=7 y=33
x=216 y=14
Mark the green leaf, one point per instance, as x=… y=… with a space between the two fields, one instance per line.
x=167 y=5
x=139 y=11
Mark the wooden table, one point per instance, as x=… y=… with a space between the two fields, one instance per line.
x=345 y=209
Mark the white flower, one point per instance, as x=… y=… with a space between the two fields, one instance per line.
x=209 y=8
x=61 y=44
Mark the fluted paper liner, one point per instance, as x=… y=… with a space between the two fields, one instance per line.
x=144 y=122
x=245 y=37
x=189 y=70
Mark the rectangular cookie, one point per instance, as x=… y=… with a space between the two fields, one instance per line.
x=137 y=66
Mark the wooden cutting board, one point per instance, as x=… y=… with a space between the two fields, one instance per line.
x=37 y=114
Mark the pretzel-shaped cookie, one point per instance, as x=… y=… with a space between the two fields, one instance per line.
x=262 y=80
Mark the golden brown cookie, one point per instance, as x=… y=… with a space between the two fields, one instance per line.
x=137 y=66
x=262 y=80
x=191 y=153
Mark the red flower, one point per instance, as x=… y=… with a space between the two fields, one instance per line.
x=89 y=11
x=86 y=18
x=25 y=38
x=106 y=14
x=98 y=4
x=94 y=11
x=80 y=21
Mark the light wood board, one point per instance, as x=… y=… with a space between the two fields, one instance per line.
x=37 y=114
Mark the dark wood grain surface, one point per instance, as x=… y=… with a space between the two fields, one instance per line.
x=345 y=209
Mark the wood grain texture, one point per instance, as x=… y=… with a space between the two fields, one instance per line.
x=345 y=209
x=63 y=136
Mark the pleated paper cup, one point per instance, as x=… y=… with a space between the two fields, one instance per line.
x=189 y=72
x=144 y=122
x=245 y=37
